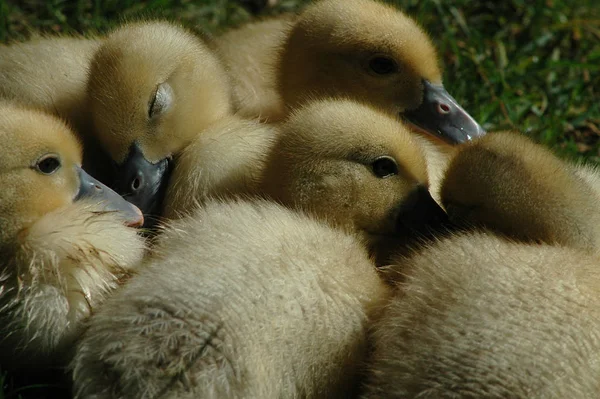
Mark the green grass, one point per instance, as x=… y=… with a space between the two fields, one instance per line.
x=531 y=65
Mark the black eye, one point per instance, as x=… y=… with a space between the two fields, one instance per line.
x=385 y=167
x=48 y=164
x=383 y=65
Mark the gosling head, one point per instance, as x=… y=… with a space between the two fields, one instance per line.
x=55 y=257
x=507 y=183
x=374 y=53
x=40 y=172
x=355 y=167
x=152 y=88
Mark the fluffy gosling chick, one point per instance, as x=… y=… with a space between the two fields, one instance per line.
x=153 y=88
x=243 y=299
x=356 y=168
x=64 y=243
x=355 y=48
x=507 y=183
x=482 y=317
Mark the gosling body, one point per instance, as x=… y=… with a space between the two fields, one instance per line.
x=279 y=306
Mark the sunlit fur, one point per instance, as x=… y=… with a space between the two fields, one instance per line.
x=325 y=52
x=590 y=173
x=321 y=163
x=482 y=317
x=57 y=258
x=125 y=74
x=49 y=73
x=507 y=183
x=226 y=159
x=243 y=299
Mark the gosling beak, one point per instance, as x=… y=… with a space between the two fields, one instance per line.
x=420 y=214
x=142 y=182
x=440 y=115
x=93 y=189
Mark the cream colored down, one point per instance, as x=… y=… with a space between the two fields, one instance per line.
x=280 y=306
x=481 y=316
x=250 y=55
x=226 y=160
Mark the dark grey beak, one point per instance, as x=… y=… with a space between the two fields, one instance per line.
x=420 y=214
x=141 y=182
x=440 y=115
x=93 y=189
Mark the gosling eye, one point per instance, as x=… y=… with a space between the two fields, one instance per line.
x=383 y=65
x=161 y=100
x=385 y=167
x=48 y=164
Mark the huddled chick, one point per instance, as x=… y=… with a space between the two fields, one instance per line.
x=481 y=316
x=153 y=88
x=66 y=240
x=506 y=183
x=509 y=310
x=361 y=49
x=357 y=168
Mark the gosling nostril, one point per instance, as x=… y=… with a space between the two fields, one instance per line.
x=443 y=108
x=136 y=183
x=98 y=187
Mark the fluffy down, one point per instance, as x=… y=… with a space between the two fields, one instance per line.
x=482 y=317
x=54 y=273
x=246 y=299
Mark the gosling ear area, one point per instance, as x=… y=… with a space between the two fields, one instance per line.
x=440 y=115
x=142 y=182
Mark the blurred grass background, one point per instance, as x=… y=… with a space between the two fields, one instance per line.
x=531 y=65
